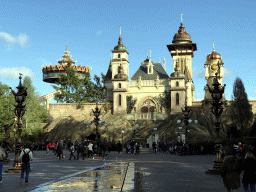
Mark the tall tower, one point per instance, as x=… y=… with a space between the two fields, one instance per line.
x=120 y=55
x=182 y=50
x=120 y=52
x=213 y=64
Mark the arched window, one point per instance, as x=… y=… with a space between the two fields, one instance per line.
x=120 y=100
x=118 y=55
x=177 y=84
x=177 y=98
x=119 y=85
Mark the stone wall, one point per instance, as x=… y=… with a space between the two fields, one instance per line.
x=70 y=109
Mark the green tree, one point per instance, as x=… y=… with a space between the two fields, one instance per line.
x=241 y=113
x=165 y=101
x=7 y=102
x=35 y=112
x=130 y=103
x=79 y=90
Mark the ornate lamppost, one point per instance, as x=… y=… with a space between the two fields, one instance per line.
x=217 y=110
x=19 y=111
x=186 y=121
x=96 y=121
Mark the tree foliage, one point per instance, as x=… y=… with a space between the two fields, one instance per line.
x=130 y=103
x=35 y=112
x=7 y=103
x=79 y=90
x=165 y=101
x=241 y=110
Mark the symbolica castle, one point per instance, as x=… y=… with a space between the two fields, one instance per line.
x=151 y=80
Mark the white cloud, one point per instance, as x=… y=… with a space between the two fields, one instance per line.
x=10 y=40
x=13 y=72
x=199 y=95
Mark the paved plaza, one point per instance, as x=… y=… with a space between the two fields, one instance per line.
x=153 y=172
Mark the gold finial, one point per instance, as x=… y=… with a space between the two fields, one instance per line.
x=181 y=16
x=120 y=30
x=150 y=54
x=66 y=47
x=213 y=45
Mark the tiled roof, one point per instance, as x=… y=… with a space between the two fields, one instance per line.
x=157 y=70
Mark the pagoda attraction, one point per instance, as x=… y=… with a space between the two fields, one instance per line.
x=51 y=73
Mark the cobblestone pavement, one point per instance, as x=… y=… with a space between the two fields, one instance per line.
x=154 y=172
x=171 y=173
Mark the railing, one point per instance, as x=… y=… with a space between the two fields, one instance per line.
x=147 y=116
x=145 y=83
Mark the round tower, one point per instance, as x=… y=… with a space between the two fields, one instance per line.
x=213 y=64
x=51 y=73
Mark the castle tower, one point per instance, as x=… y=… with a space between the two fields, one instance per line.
x=120 y=52
x=213 y=64
x=120 y=55
x=182 y=50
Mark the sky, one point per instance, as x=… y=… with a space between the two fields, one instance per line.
x=35 y=33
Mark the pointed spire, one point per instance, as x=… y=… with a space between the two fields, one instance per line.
x=120 y=30
x=66 y=47
x=150 y=54
x=213 y=45
x=164 y=64
x=181 y=16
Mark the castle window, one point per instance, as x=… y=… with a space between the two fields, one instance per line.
x=118 y=55
x=177 y=84
x=119 y=85
x=119 y=100
x=177 y=98
x=149 y=71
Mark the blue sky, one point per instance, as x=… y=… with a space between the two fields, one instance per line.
x=35 y=33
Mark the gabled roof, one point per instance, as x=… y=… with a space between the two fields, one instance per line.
x=157 y=70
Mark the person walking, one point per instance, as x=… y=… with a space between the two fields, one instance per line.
x=59 y=151
x=48 y=146
x=230 y=171
x=119 y=147
x=78 y=150
x=132 y=147
x=72 y=151
x=85 y=151
x=2 y=157
x=249 y=172
x=90 y=148
x=25 y=156
x=126 y=147
x=154 y=147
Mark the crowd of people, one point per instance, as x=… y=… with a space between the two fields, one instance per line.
x=86 y=148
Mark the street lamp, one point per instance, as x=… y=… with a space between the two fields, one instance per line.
x=19 y=111
x=186 y=121
x=97 y=121
x=217 y=110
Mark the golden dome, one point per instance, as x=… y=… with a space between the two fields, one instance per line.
x=214 y=67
